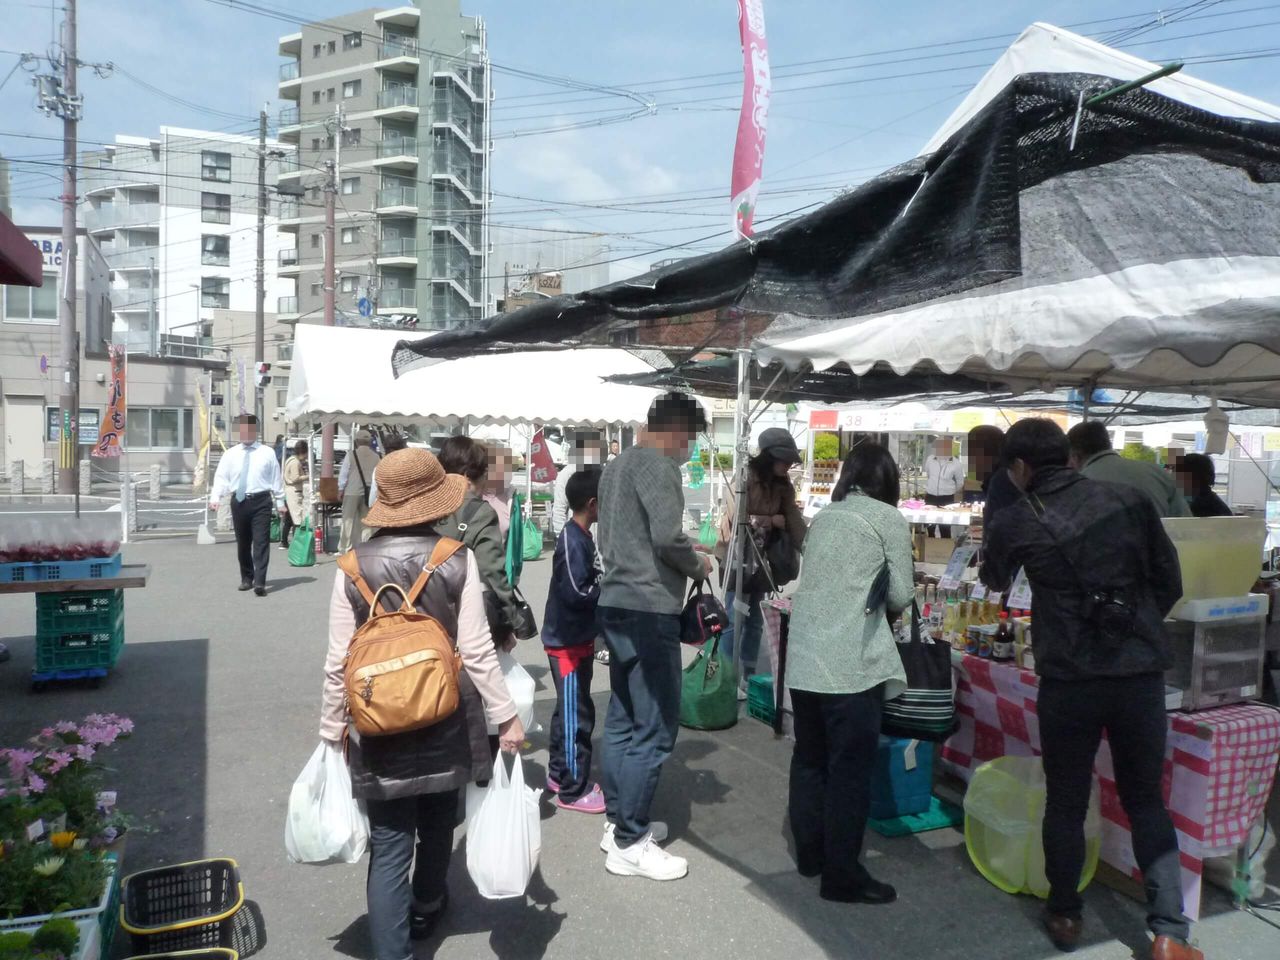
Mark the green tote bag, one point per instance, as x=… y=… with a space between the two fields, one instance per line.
x=709 y=690
x=532 y=539
x=302 y=548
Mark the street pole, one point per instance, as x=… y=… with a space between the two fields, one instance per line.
x=259 y=349
x=330 y=303
x=69 y=389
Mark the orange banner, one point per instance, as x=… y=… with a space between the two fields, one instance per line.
x=111 y=437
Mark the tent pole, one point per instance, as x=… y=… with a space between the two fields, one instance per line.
x=742 y=519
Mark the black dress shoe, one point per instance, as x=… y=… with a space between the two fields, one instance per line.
x=422 y=925
x=873 y=891
x=246 y=585
x=1064 y=931
x=809 y=867
x=260 y=591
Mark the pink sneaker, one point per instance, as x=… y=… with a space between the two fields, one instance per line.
x=552 y=786
x=590 y=802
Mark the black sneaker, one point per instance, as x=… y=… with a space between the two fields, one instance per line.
x=872 y=891
x=245 y=585
x=422 y=925
x=260 y=591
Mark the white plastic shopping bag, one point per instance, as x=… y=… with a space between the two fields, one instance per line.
x=504 y=832
x=325 y=824
x=521 y=686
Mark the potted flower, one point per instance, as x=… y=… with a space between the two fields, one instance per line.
x=56 y=827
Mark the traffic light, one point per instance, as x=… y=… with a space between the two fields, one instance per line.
x=262 y=374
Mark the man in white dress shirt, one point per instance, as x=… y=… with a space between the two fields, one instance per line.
x=250 y=474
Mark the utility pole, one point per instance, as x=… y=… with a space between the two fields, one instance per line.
x=69 y=389
x=328 y=281
x=259 y=348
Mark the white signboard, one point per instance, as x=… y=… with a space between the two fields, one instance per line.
x=956 y=566
x=1020 y=594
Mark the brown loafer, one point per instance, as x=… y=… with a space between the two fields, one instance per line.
x=1167 y=948
x=1063 y=931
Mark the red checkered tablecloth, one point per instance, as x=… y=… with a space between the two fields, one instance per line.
x=1220 y=764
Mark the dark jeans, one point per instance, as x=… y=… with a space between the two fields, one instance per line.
x=286 y=528
x=393 y=827
x=644 y=713
x=837 y=735
x=1073 y=716
x=252 y=522
x=752 y=630
x=572 y=724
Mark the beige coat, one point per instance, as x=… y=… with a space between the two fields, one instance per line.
x=295 y=488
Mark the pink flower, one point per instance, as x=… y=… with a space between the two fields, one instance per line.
x=36 y=784
x=58 y=761
x=48 y=733
x=65 y=726
x=83 y=751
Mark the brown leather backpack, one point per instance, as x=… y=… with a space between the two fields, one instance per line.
x=401 y=669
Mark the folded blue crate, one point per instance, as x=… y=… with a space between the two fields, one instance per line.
x=96 y=568
x=902 y=782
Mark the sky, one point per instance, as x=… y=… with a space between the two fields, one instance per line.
x=619 y=118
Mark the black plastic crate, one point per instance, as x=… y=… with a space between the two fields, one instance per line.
x=187 y=906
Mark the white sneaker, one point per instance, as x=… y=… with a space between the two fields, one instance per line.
x=645 y=858
x=657 y=830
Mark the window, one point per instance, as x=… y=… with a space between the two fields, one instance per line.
x=315 y=193
x=348 y=234
x=333 y=46
x=348 y=285
x=315 y=96
x=215 y=251
x=350 y=185
x=32 y=304
x=350 y=89
x=215 y=207
x=350 y=41
x=315 y=144
x=315 y=49
x=160 y=428
x=316 y=290
x=315 y=241
x=215 y=166
x=87 y=428
x=282 y=391
x=351 y=138
x=215 y=293
x=328 y=141
x=328 y=94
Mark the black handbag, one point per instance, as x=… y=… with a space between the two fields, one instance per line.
x=926 y=710
x=703 y=616
x=783 y=558
x=524 y=625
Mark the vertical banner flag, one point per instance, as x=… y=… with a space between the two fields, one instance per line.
x=543 y=470
x=111 y=436
x=753 y=119
x=202 y=444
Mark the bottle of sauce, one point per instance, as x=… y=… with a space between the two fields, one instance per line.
x=1002 y=645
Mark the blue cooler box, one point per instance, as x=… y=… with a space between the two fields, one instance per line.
x=902 y=782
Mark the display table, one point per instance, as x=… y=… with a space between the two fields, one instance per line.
x=1220 y=765
x=934 y=517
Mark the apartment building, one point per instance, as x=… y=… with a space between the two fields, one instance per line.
x=399 y=100
x=176 y=218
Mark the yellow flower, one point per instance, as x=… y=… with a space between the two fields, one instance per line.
x=63 y=840
x=49 y=866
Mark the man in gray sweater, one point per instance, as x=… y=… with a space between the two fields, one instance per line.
x=647 y=561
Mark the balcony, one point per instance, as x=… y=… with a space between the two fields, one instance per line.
x=398 y=251
x=291 y=70
x=397 y=152
x=290 y=165
x=290 y=86
x=289 y=210
x=284 y=351
x=289 y=116
x=288 y=260
x=131 y=299
x=133 y=258
x=286 y=307
x=118 y=216
x=398 y=197
x=398 y=298
x=399 y=101
x=403 y=16
x=211 y=258
x=210 y=300
x=397 y=53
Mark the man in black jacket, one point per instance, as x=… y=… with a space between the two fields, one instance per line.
x=1103 y=577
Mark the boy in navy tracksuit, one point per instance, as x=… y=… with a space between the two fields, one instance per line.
x=569 y=634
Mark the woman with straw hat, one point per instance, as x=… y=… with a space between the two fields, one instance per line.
x=410 y=781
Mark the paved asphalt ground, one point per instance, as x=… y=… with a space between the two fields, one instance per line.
x=224 y=688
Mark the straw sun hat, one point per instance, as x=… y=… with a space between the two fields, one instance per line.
x=414 y=489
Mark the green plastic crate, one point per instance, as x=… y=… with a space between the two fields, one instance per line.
x=86 y=650
x=760 y=702
x=92 y=611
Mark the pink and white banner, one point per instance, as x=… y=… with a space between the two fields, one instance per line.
x=748 y=154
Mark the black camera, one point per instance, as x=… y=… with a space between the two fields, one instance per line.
x=1110 y=614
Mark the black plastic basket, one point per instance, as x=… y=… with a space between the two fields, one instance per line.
x=188 y=906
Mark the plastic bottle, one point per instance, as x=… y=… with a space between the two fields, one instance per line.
x=1002 y=646
x=949 y=618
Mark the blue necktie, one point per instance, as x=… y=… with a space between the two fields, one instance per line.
x=243 y=486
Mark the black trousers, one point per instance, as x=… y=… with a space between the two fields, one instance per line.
x=286 y=528
x=394 y=826
x=837 y=735
x=1073 y=716
x=572 y=724
x=252 y=523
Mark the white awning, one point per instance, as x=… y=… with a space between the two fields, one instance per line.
x=343 y=374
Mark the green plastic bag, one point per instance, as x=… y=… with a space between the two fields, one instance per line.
x=532 y=539
x=709 y=690
x=274 y=534
x=709 y=532
x=302 y=548
x=515 y=541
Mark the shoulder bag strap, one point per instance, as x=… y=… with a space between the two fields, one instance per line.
x=349 y=564
x=444 y=549
x=356 y=453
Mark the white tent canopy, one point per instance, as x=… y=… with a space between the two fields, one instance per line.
x=1157 y=271
x=340 y=374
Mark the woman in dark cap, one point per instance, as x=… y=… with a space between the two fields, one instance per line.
x=771 y=502
x=1195 y=474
